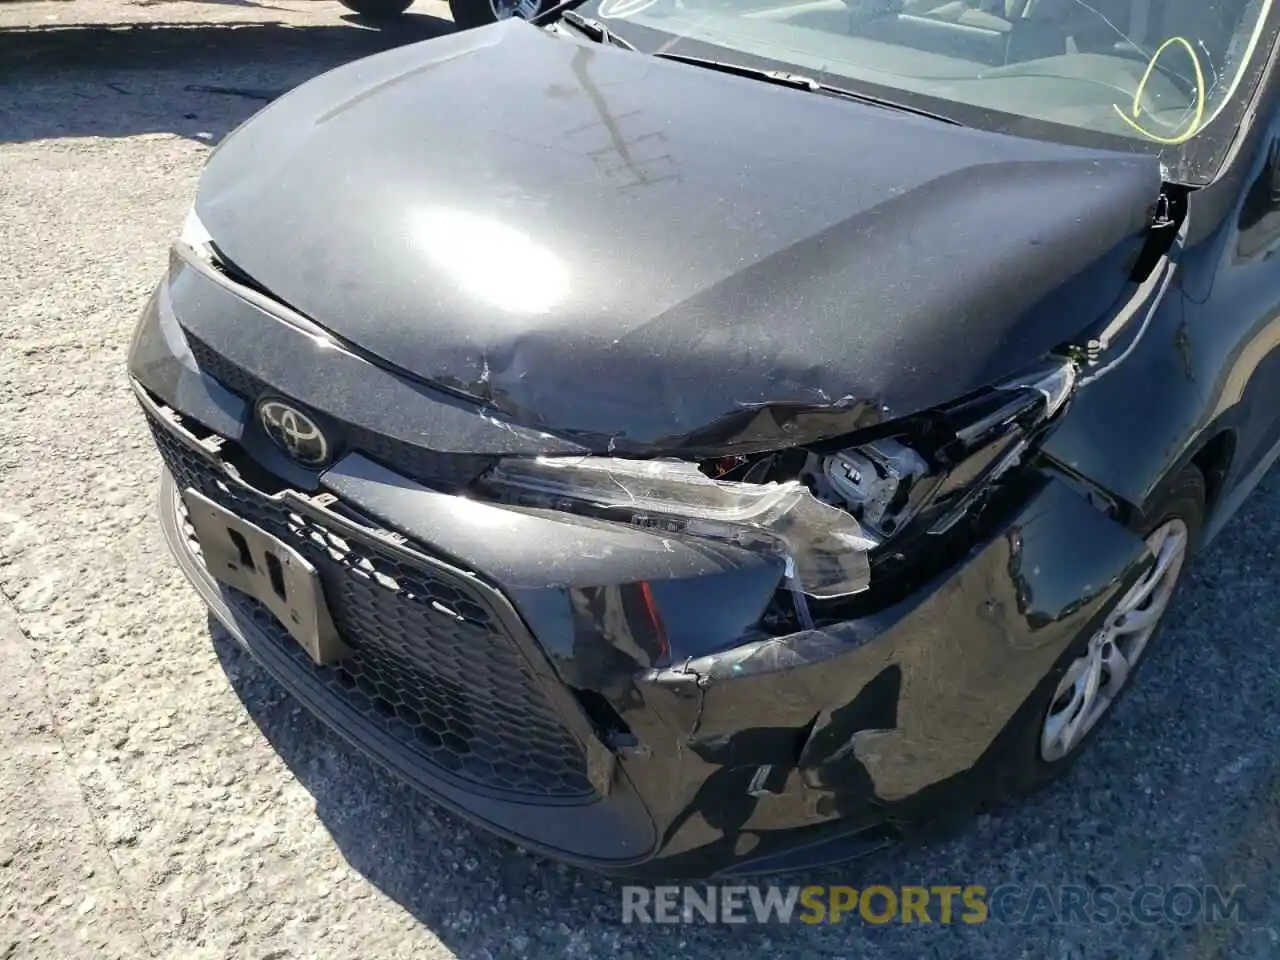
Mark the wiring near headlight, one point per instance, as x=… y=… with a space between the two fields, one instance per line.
x=875 y=480
x=935 y=466
x=942 y=462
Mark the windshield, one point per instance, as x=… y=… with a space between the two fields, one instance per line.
x=1172 y=77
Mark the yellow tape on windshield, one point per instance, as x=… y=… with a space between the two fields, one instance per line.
x=1197 y=119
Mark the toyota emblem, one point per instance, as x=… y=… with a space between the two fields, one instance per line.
x=294 y=432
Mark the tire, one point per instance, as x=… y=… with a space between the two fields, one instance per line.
x=478 y=13
x=377 y=9
x=1027 y=769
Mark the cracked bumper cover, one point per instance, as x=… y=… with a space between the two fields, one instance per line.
x=765 y=755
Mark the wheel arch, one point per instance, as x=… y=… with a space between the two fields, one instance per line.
x=1213 y=459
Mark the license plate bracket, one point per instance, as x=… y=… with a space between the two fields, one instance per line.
x=244 y=556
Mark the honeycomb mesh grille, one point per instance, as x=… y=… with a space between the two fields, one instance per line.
x=433 y=666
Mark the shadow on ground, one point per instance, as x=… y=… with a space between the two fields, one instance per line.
x=441 y=870
x=1164 y=796
x=196 y=80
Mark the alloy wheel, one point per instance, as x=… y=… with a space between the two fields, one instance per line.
x=1094 y=680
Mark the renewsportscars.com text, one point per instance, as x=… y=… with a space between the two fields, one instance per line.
x=939 y=904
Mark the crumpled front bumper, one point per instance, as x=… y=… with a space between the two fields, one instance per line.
x=901 y=717
x=611 y=832
x=705 y=753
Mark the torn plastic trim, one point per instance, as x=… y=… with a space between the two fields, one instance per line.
x=770 y=655
x=824 y=547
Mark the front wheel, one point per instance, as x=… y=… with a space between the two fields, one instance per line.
x=477 y=13
x=377 y=9
x=1081 y=691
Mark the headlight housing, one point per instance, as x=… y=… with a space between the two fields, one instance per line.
x=822 y=508
x=825 y=550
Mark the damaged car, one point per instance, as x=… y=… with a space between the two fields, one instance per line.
x=690 y=437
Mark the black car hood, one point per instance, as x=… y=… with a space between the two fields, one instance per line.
x=644 y=254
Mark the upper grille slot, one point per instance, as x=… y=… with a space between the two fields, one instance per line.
x=448 y=472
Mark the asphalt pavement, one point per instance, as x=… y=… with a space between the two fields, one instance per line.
x=160 y=796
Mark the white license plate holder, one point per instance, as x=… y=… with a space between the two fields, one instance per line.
x=244 y=556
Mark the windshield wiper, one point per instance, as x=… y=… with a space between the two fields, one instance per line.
x=595 y=30
x=554 y=12
x=800 y=81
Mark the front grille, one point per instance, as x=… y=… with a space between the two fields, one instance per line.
x=441 y=471
x=432 y=664
x=234 y=378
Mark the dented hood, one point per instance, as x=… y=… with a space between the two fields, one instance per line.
x=644 y=254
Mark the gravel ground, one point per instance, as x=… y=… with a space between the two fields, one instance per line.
x=160 y=796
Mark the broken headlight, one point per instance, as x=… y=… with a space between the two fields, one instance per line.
x=825 y=514
x=823 y=546
x=938 y=464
